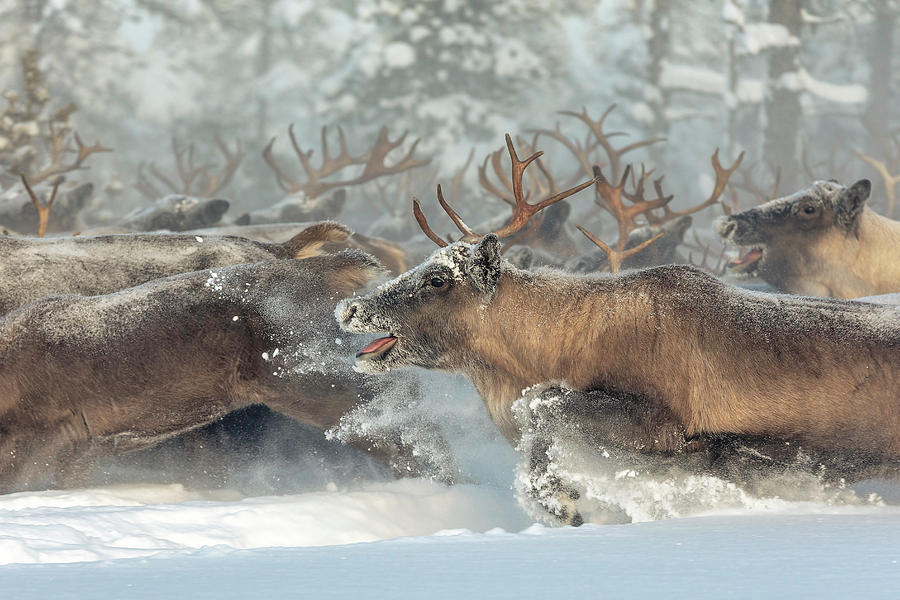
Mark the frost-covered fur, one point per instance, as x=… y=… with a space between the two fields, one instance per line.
x=81 y=377
x=552 y=418
x=17 y=212
x=820 y=241
x=694 y=354
x=176 y=212
x=31 y=268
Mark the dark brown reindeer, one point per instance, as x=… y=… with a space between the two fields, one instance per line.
x=33 y=268
x=85 y=377
x=675 y=353
x=820 y=241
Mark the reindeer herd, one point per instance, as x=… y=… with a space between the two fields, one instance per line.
x=138 y=330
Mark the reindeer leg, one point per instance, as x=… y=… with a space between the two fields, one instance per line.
x=621 y=423
x=543 y=415
x=405 y=460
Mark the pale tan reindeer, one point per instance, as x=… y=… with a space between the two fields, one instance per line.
x=819 y=241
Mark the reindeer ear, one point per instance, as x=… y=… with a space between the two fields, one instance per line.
x=309 y=242
x=484 y=268
x=214 y=209
x=850 y=203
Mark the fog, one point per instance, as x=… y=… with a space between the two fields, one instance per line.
x=803 y=87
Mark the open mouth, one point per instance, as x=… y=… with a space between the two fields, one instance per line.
x=746 y=262
x=377 y=349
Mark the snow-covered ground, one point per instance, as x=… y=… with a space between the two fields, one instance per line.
x=374 y=537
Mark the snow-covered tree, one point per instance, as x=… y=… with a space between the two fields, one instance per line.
x=456 y=72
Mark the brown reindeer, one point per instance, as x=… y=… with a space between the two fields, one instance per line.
x=393 y=256
x=820 y=241
x=677 y=352
x=85 y=377
x=32 y=268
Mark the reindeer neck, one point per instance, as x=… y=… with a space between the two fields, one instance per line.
x=547 y=326
x=879 y=251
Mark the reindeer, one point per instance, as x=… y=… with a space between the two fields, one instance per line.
x=820 y=241
x=677 y=352
x=659 y=246
x=307 y=200
x=190 y=179
x=86 y=377
x=32 y=268
x=393 y=256
x=175 y=212
x=25 y=209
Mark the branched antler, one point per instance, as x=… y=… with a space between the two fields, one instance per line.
x=195 y=180
x=596 y=126
x=523 y=211
x=58 y=151
x=610 y=198
x=580 y=150
x=43 y=209
x=373 y=162
x=722 y=177
x=618 y=256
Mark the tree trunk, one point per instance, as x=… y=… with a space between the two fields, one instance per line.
x=878 y=113
x=658 y=49
x=783 y=102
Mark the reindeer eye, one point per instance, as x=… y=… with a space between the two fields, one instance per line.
x=809 y=210
x=436 y=282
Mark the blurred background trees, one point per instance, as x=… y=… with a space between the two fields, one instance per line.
x=802 y=85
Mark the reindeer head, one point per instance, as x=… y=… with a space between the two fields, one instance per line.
x=789 y=234
x=426 y=312
x=177 y=212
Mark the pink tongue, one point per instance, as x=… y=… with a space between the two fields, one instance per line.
x=750 y=257
x=378 y=345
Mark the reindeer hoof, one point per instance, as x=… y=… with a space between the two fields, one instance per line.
x=577 y=520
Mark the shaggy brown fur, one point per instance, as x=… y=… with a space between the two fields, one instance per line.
x=32 y=268
x=700 y=356
x=391 y=255
x=85 y=376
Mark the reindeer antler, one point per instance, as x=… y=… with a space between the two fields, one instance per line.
x=373 y=161
x=581 y=151
x=43 y=210
x=722 y=177
x=522 y=210
x=195 y=180
x=616 y=257
x=596 y=126
x=58 y=150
